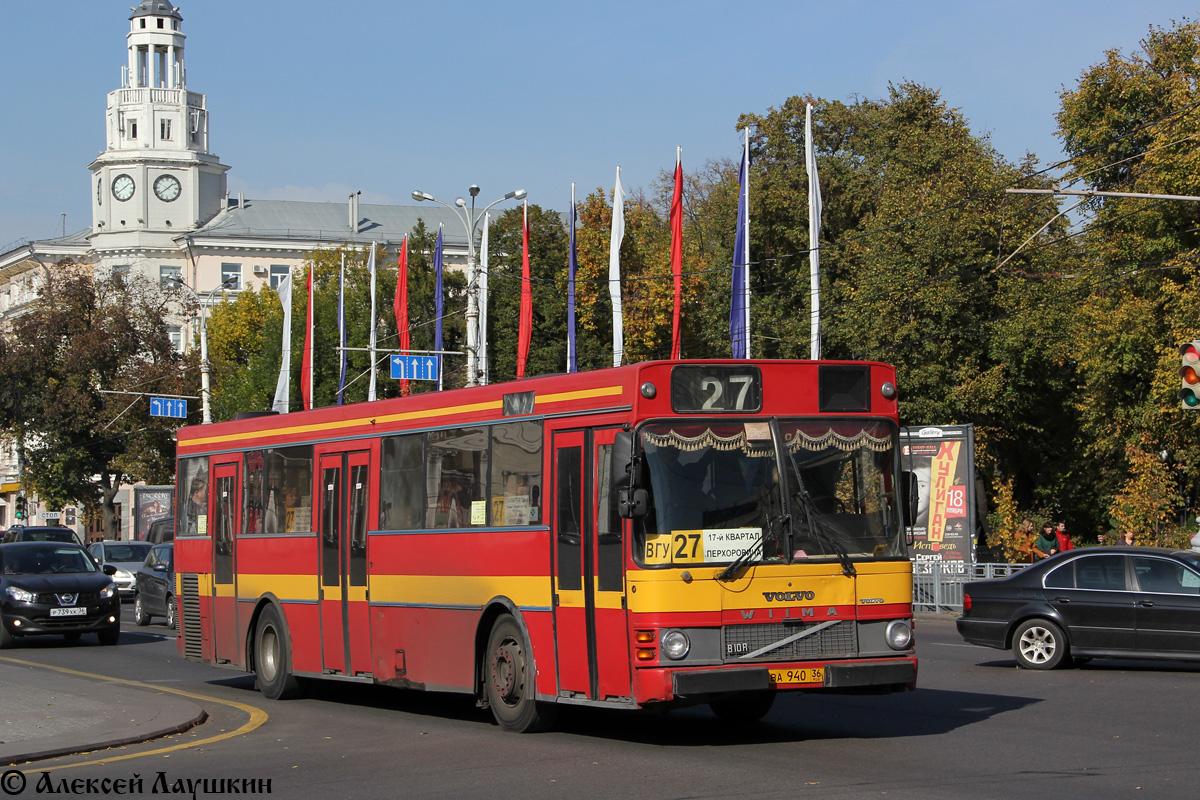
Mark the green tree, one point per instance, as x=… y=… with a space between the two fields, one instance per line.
x=72 y=372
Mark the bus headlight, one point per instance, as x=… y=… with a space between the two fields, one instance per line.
x=898 y=634
x=675 y=644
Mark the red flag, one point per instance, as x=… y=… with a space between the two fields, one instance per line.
x=525 y=327
x=402 y=306
x=306 y=363
x=677 y=252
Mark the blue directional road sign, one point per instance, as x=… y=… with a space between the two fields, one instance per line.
x=166 y=407
x=415 y=368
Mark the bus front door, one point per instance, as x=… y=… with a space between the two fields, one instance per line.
x=589 y=598
x=345 y=621
x=226 y=519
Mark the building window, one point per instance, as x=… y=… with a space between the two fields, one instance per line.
x=160 y=23
x=164 y=129
x=233 y=274
x=133 y=129
x=167 y=276
x=278 y=273
x=175 y=334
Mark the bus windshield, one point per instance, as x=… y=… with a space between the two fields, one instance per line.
x=715 y=492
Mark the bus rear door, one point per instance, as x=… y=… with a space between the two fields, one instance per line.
x=589 y=599
x=227 y=519
x=342 y=510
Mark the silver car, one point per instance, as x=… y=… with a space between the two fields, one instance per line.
x=126 y=557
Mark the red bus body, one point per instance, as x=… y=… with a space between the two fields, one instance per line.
x=428 y=523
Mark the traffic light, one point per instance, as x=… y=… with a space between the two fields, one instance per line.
x=1189 y=375
x=21 y=505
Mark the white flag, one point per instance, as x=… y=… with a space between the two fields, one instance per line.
x=283 y=385
x=371 y=269
x=814 y=235
x=614 y=269
x=481 y=347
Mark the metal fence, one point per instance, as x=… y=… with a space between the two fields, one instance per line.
x=938 y=586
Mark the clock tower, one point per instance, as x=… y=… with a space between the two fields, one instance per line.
x=156 y=179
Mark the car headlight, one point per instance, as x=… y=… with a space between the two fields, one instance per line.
x=898 y=634
x=108 y=591
x=675 y=644
x=123 y=575
x=20 y=595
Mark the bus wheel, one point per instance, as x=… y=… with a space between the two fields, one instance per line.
x=271 y=667
x=747 y=707
x=509 y=683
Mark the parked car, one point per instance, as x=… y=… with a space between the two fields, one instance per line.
x=1097 y=602
x=56 y=588
x=156 y=586
x=40 y=533
x=161 y=530
x=127 y=557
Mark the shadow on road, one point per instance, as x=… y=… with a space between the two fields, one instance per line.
x=795 y=717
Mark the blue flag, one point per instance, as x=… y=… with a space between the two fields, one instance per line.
x=739 y=304
x=572 y=267
x=438 y=309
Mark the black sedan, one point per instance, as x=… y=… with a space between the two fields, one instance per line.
x=56 y=588
x=1100 y=602
x=156 y=586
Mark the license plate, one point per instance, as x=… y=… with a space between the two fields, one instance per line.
x=72 y=611
x=781 y=677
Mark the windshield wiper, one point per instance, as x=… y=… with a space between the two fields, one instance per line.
x=815 y=524
x=739 y=563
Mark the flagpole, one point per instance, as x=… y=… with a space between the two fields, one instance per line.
x=676 y=219
x=481 y=356
x=341 y=394
x=614 y=269
x=572 y=266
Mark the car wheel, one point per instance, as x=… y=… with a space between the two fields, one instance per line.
x=140 y=617
x=110 y=636
x=1039 y=644
x=171 y=613
x=508 y=681
x=271 y=664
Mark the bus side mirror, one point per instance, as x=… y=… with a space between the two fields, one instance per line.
x=622 y=460
x=633 y=503
x=908 y=497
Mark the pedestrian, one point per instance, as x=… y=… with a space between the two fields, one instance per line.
x=1023 y=540
x=1046 y=544
x=1127 y=538
x=1064 y=540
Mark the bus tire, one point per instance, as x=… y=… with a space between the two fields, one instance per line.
x=509 y=681
x=745 y=707
x=271 y=664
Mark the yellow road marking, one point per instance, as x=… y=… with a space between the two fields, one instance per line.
x=257 y=716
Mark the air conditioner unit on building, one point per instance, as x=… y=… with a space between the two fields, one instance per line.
x=259 y=269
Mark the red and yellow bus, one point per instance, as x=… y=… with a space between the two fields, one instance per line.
x=654 y=535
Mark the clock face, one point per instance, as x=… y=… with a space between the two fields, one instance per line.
x=166 y=188
x=122 y=187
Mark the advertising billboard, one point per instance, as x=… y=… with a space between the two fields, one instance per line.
x=943 y=459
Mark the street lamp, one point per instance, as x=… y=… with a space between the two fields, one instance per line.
x=470 y=221
x=205 y=394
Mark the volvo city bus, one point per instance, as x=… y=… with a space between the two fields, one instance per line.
x=649 y=536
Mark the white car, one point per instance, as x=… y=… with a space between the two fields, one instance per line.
x=126 y=557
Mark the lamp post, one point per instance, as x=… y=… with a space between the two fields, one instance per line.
x=205 y=394
x=470 y=221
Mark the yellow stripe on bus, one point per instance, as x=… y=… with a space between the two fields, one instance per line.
x=469 y=590
x=285 y=587
x=406 y=416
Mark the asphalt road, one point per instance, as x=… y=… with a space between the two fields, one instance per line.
x=977 y=727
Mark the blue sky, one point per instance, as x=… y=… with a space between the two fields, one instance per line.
x=313 y=100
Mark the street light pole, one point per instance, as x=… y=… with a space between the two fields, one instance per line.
x=205 y=393
x=470 y=221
